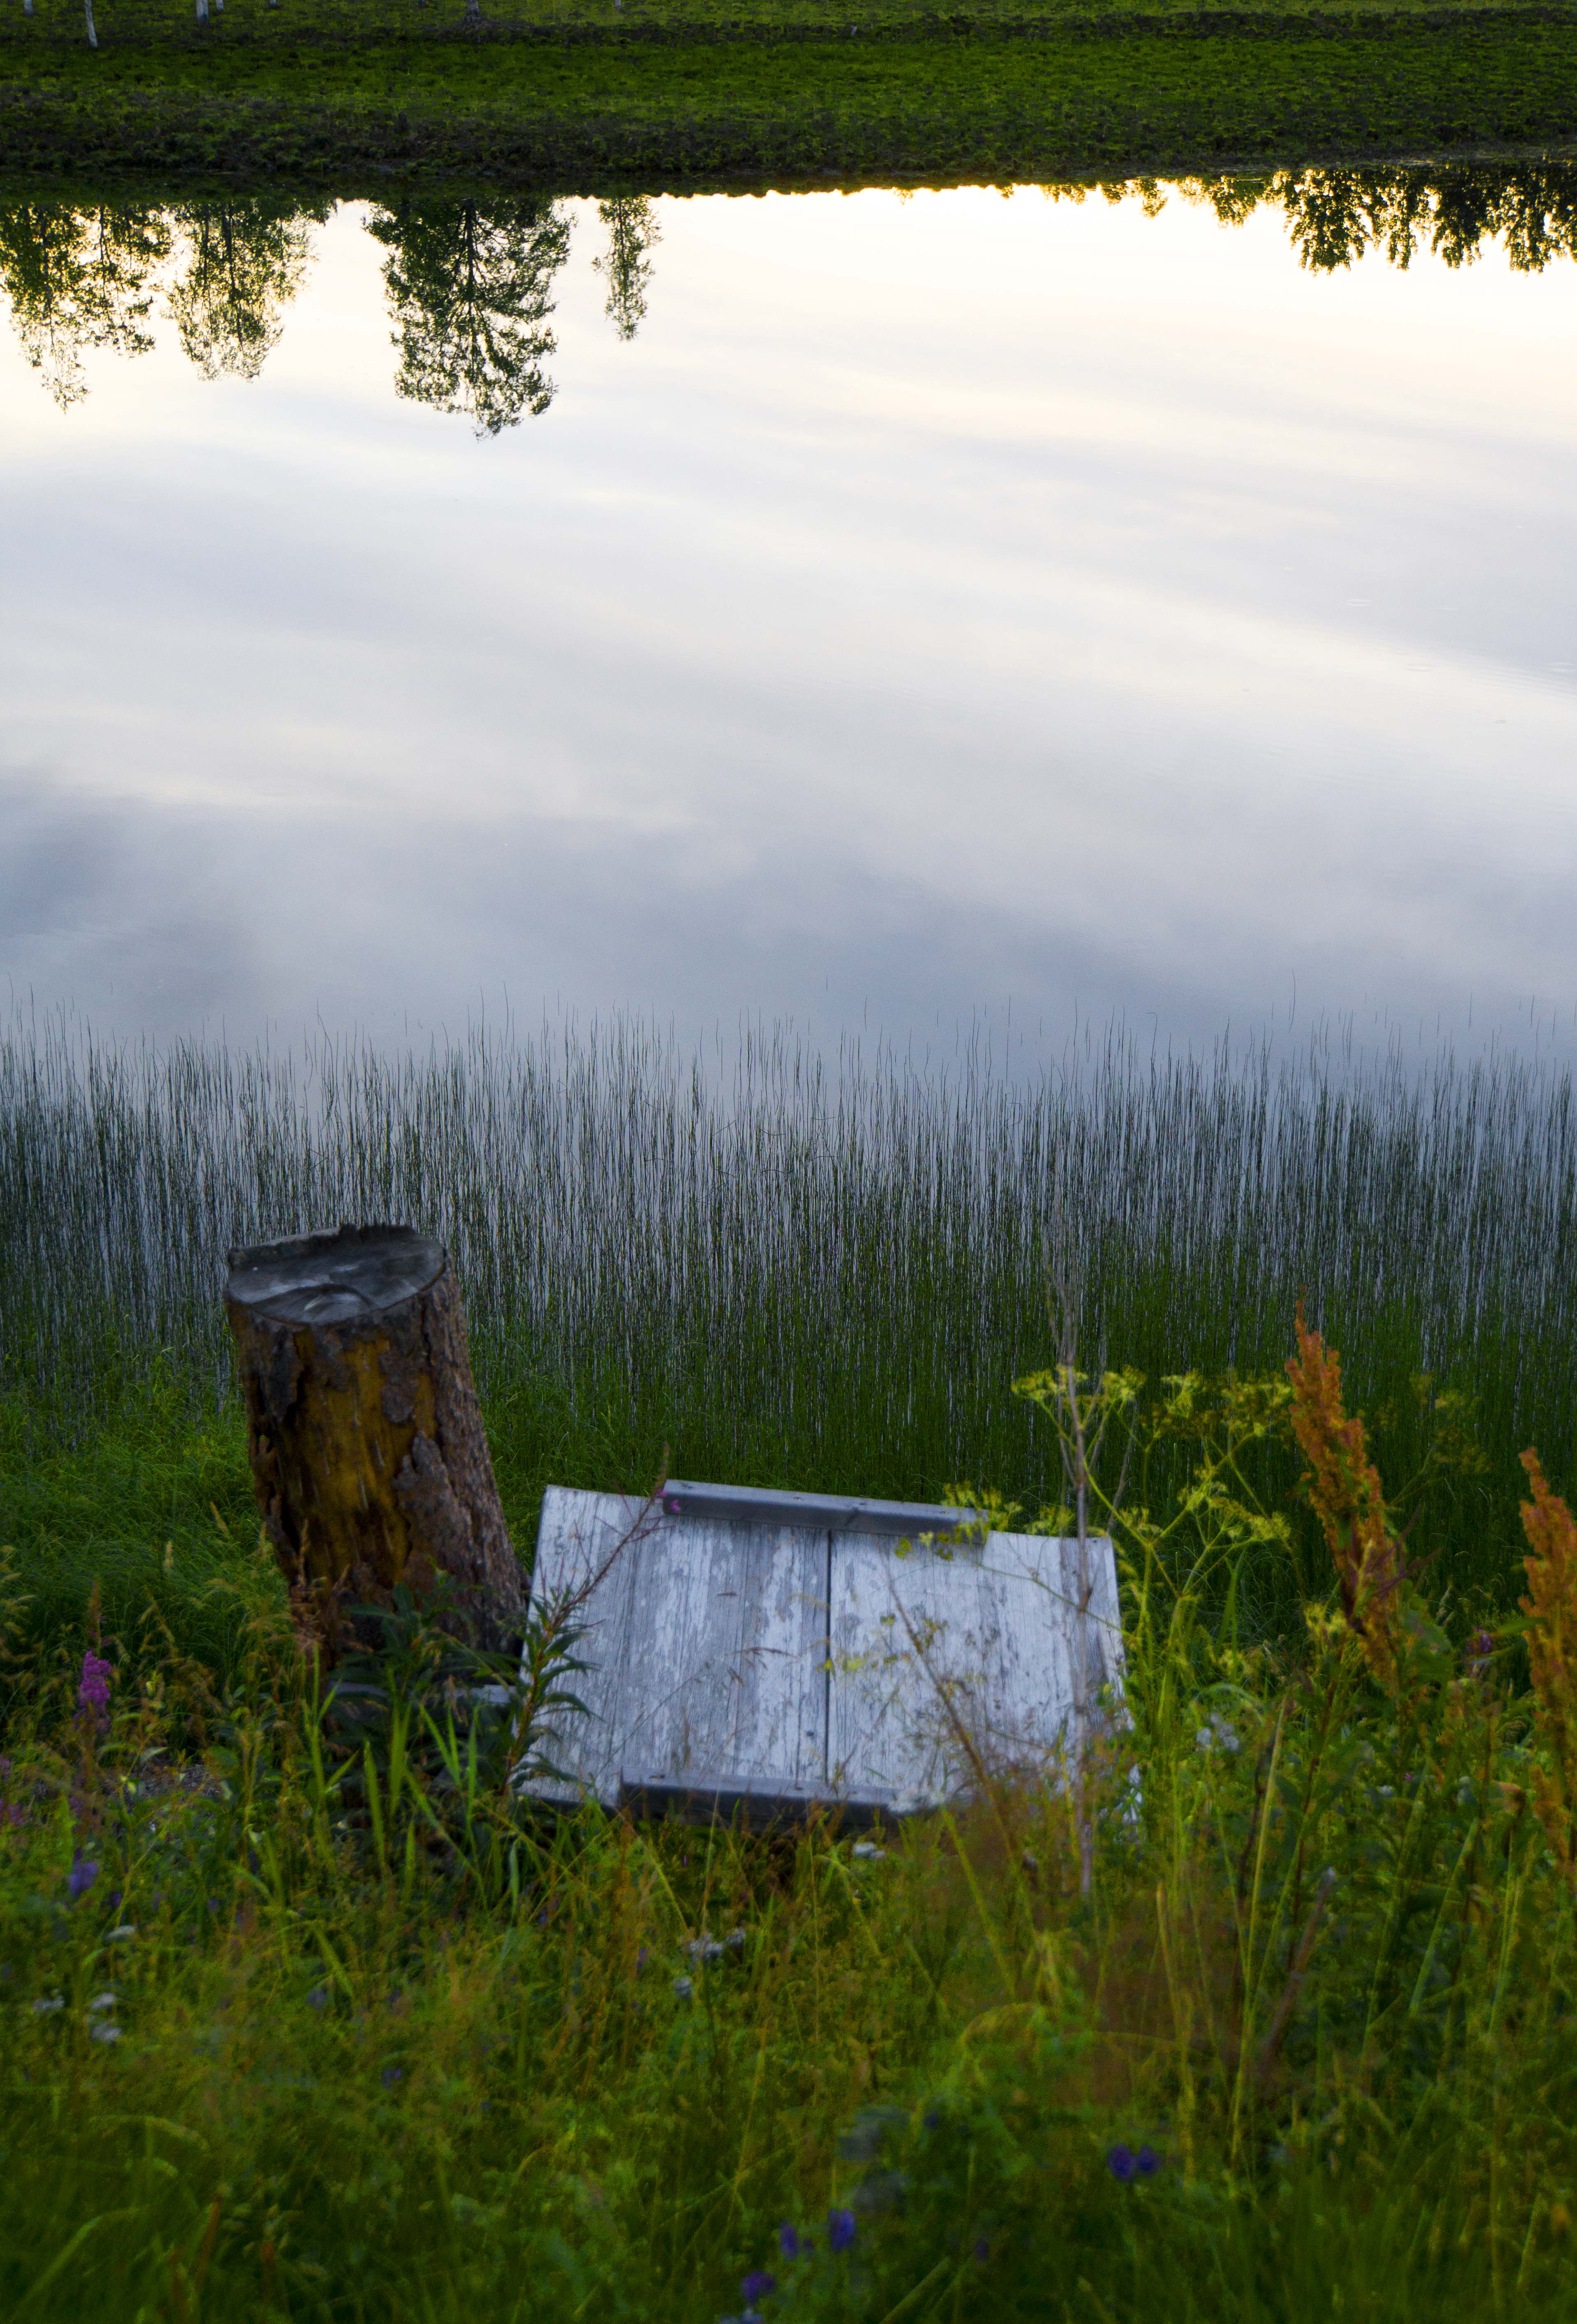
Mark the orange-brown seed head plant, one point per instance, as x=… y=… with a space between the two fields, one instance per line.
x=1344 y=1487
x=1551 y=1606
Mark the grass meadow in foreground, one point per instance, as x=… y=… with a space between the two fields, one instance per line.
x=1268 y=2016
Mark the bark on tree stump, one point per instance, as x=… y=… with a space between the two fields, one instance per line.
x=366 y=1435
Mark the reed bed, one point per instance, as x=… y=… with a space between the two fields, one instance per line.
x=792 y=1269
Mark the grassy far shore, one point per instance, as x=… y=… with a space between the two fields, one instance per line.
x=691 y=92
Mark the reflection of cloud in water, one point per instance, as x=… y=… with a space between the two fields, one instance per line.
x=1177 y=629
x=166 y=916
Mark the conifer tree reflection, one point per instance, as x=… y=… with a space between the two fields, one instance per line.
x=1335 y=217
x=632 y=229
x=471 y=291
x=243 y=263
x=80 y=279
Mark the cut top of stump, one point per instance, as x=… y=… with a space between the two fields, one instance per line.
x=338 y=1275
x=763 y=1655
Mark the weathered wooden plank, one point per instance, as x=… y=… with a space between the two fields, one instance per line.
x=725 y=1668
x=701 y=1797
x=580 y=1535
x=834 y=1513
x=947 y=1665
x=755 y=1668
x=709 y=1642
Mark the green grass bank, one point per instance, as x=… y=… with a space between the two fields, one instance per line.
x=654 y=96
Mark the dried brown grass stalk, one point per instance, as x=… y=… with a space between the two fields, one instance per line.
x=1348 y=1500
x=1551 y=1606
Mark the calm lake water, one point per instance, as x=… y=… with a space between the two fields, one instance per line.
x=898 y=613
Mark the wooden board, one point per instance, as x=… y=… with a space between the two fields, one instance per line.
x=744 y=1663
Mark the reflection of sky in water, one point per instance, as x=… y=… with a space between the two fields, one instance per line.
x=941 y=603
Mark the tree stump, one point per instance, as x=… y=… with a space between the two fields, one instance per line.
x=366 y=1435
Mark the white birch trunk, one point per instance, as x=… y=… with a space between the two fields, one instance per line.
x=202 y=11
x=92 y=27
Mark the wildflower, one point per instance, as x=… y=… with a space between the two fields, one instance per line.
x=641 y=1960
x=684 y=1987
x=868 y=1851
x=101 y=2001
x=81 y=1877
x=1481 y=1652
x=671 y=1505
x=102 y=2032
x=47 y=2003
x=734 y=1941
x=840 y=2229
x=119 y=1936
x=759 y=2284
x=390 y=2075
x=1147 y=2163
x=1123 y=2162
x=1345 y=1487
x=1551 y=1606
x=791 y=2243
x=93 y=1687
x=704 y=1947
x=318 y=1998
x=1219 y=1735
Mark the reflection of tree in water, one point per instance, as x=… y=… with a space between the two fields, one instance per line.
x=1337 y=216
x=471 y=291
x=471 y=295
x=632 y=229
x=80 y=279
x=243 y=263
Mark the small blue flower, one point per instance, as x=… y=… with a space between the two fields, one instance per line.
x=393 y=2074
x=840 y=2229
x=758 y=2285
x=1122 y=2164
x=318 y=1998
x=1147 y=2161
x=790 y=2242
x=81 y=1877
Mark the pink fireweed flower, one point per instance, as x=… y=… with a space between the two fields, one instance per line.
x=93 y=1687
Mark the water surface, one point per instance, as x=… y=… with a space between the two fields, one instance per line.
x=877 y=611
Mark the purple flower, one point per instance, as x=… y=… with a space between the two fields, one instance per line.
x=672 y=1507
x=791 y=2243
x=1123 y=2162
x=758 y=2285
x=393 y=2074
x=81 y=1877
x=840 y=2229
x=1147 y=2161
x=93 y=1687
x=318 y=1998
